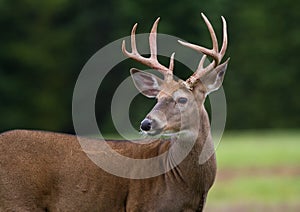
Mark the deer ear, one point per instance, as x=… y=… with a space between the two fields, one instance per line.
x=148 y=84
x=214 y=79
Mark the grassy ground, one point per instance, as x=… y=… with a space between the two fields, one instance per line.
x=257 y=171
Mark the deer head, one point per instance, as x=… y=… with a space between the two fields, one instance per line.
x=177 y=99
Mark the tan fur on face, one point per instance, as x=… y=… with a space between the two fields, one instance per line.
x=169 y=88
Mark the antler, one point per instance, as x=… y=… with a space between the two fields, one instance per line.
x=152 y=60
x=214 y=53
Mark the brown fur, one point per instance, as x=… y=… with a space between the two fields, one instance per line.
x=45 y=171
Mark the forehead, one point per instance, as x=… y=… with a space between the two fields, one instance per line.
x=172 y=89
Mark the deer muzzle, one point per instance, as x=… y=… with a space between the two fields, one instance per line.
x=146 y=124
x=154 y=123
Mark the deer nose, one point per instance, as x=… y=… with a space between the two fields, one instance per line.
x=146 y=124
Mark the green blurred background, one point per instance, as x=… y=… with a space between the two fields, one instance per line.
x=44 y=45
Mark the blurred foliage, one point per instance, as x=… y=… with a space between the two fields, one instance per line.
x=44 y=45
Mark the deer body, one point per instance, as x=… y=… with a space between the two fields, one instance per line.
x=44 y=171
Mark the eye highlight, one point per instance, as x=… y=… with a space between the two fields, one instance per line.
x=182 y=100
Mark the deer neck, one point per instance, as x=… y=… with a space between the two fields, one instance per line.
x=198 y=169
x=197 y=147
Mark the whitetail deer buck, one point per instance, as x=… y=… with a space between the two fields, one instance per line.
x=45 y=171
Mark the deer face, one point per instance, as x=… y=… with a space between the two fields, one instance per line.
x=178 y=102
x=177 y=107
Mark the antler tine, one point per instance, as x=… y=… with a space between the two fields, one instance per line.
x=214 y=52
x=133 y=44
x=152 y=60
x=225 y=39
x=171 y=66
x=213 y=36
x=153 y=40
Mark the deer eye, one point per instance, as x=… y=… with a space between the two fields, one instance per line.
x=182 y=100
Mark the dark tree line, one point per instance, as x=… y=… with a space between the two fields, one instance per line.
x=44 y=45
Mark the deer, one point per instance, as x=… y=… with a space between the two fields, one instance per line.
x=48 y=171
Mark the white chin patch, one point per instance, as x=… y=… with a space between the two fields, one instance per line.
x=169 y=133
x=159 y=133
x=152 y=132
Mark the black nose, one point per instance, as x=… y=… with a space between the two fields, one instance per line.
x=146 y=125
